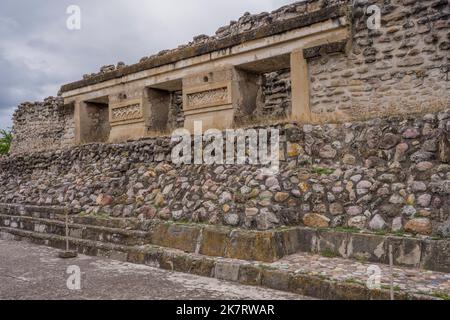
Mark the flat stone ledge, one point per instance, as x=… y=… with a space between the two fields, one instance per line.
x=219 y=241
x=325 y=49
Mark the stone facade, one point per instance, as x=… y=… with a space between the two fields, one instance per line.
x=314 y=61
x=42 y=126
x=242 y=75
x=386 y=174
x=50 y=125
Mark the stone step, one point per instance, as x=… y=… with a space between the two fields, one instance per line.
x=264 y=246
x=208 y=240
x=302 y=273
x=81 y=231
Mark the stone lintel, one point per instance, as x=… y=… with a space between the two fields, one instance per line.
x=325 y=49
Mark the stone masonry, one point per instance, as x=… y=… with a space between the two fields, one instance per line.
x=403 y=67
x=386 y=174
x=42 y=126
x=49 y=125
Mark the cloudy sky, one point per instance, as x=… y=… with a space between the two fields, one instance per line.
x=38 y=53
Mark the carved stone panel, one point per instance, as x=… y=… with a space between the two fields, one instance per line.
x=207 y=96
x=127 y=112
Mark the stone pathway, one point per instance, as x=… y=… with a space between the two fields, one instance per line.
x=412 y=280
x=29 y=271
x=307 y=274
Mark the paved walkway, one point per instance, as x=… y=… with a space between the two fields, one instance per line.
x=28 y=271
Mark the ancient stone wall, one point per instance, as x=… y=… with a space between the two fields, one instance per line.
x=42 y=126
x=386 y=174
x=176 y=116
x=402 y=67
x=276 y=89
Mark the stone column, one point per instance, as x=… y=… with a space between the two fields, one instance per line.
x=300 y=87
x=127 y=116
x=77 y=120
x=218 y=97
x=157 y=104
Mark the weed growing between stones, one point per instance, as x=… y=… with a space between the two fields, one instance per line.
x=322 y=171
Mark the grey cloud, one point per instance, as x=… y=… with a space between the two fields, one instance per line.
x=38 y=53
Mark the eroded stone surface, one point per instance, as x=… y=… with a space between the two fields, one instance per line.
x=138 y=180
x=33 y=272
x=347 y=270
x=419 y=226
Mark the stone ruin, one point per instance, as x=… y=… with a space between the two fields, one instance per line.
x=312 y=61
x=365 y=142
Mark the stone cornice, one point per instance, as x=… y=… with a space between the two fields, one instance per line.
x=331 y=12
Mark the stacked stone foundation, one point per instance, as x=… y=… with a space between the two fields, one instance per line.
x=384 y=175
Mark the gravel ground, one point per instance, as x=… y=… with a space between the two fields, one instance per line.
x=29 y=271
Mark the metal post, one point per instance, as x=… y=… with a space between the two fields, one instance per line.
x=67 y=232
x=67 y=254
x=391 y=267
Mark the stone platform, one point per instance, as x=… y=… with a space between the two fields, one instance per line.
x=383 y=175
x=31 y=272
x=298 y=260
x=236 y=243
x=302 y=273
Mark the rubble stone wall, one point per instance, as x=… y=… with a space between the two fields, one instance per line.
x=42 y=126
x=386 y=175
x=400 y=68
x=276 y=90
